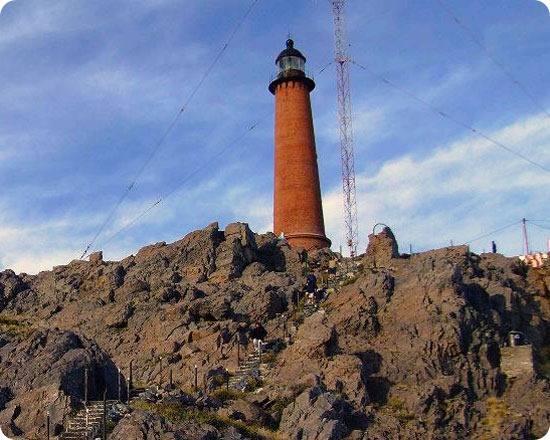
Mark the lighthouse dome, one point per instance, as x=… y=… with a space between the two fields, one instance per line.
x=291 y=67
x=290 y=59
x=290 y=51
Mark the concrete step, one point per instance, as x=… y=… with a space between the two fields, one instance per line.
x=78 y=429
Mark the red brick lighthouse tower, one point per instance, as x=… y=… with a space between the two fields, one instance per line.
x=298 y=210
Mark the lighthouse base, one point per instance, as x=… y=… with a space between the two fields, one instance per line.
x=307 y=241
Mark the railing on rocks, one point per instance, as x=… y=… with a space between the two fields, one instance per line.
x=91 y=422
x=249 y=373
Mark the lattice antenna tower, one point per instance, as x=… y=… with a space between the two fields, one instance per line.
x=341 y=61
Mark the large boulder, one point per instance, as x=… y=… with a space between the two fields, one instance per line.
x=316 y=337
x=197 y=253
x=235 y=252
x=315 y=414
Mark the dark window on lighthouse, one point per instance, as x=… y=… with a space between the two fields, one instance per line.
x=291 y=63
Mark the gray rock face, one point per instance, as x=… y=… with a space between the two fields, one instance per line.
x=316 y=338
x=237 y=250
x=10 y=285
x=441 y=317
x=315 y=414
x=409 y=347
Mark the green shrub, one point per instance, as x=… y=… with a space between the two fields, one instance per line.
x=280 y=404
x=225 y=395
x=269 y=358
x=543 y=360
x=350 y=280
x=252 y=384
x=8 y=320
x=15 y=327
x=179 y=413
x=495 y=416
x=396 y=407
x=396 y=403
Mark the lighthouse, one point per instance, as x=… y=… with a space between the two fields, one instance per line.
x=297 y=208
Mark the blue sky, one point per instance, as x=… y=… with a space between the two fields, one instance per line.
x=88 y=88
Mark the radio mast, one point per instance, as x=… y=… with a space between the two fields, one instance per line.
x=341 y=61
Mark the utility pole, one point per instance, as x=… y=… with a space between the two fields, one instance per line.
x=524 y=226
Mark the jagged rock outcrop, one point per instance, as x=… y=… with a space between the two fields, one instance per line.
x=143 y=425
x=437 y=321
x=10 y=285
x=236 y=252
x=405 y=347
x=316 y=338
x=46 y=373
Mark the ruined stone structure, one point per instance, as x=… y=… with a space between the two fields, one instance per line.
x=298 y=211
x=517 y=361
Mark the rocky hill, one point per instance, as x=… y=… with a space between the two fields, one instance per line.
x=399 y=346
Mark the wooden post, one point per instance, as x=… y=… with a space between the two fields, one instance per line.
x=104 y=433
x=160 y=381
x=132 y=373
x=119 y=388
x=86 y=386
x=128 y=391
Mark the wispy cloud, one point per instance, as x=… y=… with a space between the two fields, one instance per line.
x=457 y=192
x=38 y=246
x=88 y=88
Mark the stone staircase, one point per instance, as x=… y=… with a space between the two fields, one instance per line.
x=248 y=370
x=87 y=424
x=251 y=368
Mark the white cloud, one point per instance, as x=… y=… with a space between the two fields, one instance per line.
x=36 y=247
x=545 y=3
x=458 y=192
x=3 y=3
x=27 y=21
